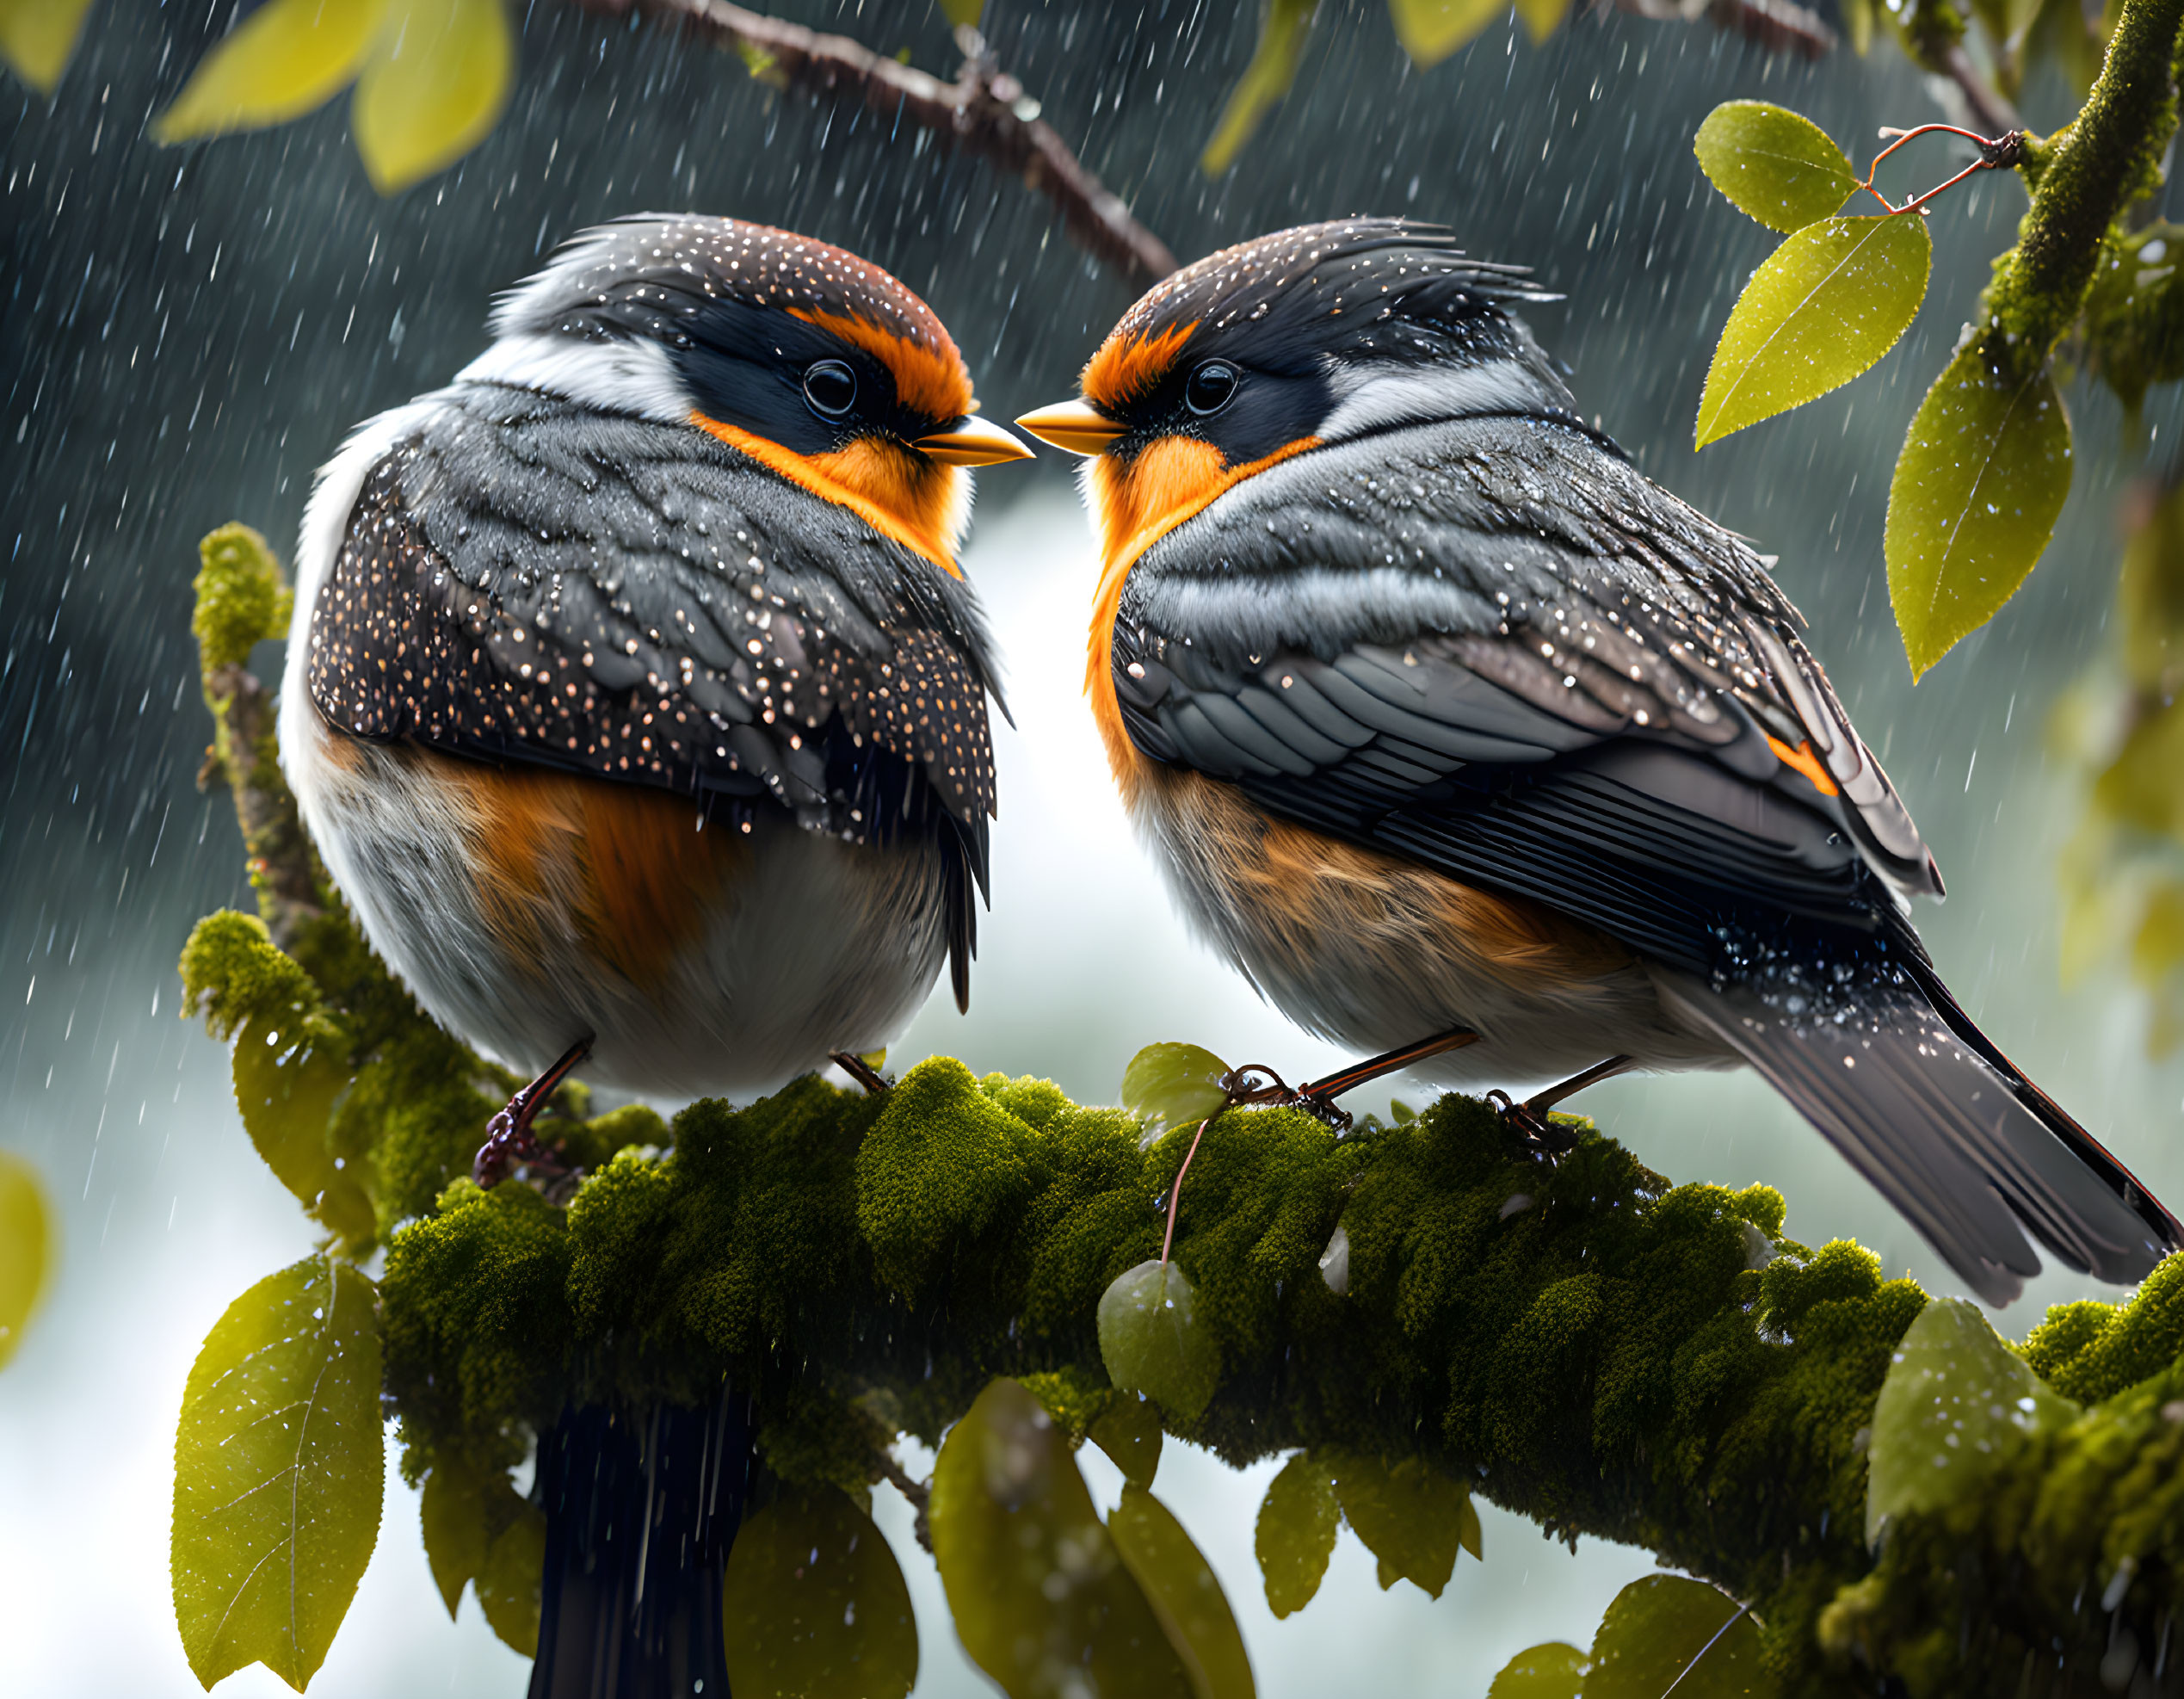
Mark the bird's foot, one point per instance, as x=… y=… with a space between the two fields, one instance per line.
x=875 y=1082
x=510 y=1142
x=1528 y=1119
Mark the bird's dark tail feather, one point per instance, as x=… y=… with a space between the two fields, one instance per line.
x=1925 y=1107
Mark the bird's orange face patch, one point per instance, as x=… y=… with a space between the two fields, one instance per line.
x=931 y=380
x=897 y=491
x=1136 y=501
x=1125 y=369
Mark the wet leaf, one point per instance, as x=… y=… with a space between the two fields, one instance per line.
x=431 y=88
x=1774 y=165
x=38 y=37
x=1184 y=1593
x=1152 y=1342
x=1957 y=1403
x=1170 y=1085
x=1827 y=304
x=1284 y=27
x=1299 y=1520
x=477 y=1528
x=451 y=1512
x=290 y=1070
x=511 y=1582
x=278 y=1468
x=1409 y=1515
x=1128 y=1430
x=1555 y=1671
x=1984 y=473
x=1040 y=1595
x=1666 y=1630
x=285 y=58
x=1541 y=17
x=26 y=1237
x=815 y=1605
x=1430 y=30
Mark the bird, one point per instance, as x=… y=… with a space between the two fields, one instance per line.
x=1468 y=744
x=633 y=697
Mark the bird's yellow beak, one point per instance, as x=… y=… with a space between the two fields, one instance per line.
x=1077 y=426
x=971 y=442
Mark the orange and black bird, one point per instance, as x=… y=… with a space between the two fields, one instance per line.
x=1449 y=728
x=634 y=698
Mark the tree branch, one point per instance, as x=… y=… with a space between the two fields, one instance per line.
x=2082 y=179
x=241 y=602
x=984 y=111
x=1777 y=26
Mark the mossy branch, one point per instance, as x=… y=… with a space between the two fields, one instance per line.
x=2081 y=180
x=242 y=601
x=1578 y=1340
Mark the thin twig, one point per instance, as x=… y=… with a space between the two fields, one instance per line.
x=1991 y=109
x=1999 y=153
x=1777 y=26
x=919 y=1493
x=984 y=111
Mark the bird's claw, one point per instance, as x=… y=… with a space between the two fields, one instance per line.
x=1532 y=1125
x=1258 y=1086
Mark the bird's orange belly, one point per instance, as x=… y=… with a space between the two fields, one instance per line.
x=527 y=908
x=1377 y=952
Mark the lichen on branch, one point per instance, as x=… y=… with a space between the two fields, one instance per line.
x=2083 y=178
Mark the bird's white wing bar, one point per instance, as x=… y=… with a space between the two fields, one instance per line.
x=634 y=377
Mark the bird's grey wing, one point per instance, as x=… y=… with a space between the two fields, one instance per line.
x=1495 y=648
x=526 y=580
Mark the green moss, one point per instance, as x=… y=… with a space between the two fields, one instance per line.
x=231 y=973
x=943 y=1165
x=2091 y=1351
x=477 y=1328
x=241 y=600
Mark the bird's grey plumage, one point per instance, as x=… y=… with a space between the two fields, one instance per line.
x=1490 y=647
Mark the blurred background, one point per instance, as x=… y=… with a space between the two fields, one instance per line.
x=187 y=332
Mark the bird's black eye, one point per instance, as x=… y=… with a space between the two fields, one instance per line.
x=1210 y=387
x=831 y=388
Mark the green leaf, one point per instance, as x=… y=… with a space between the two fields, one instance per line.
x=1664 y=1631
x=278 y=1468
x=26 y=1249
x=1827 y=304
x=38 y=37
x=1152 y=1342
x=284 y=59
x=1541 y=17
x=511 y=1581
x=1555 y=1671
x=290 y=1070
x=1170 y=1085
x=432 y=87
x=1299 y=1520
x=1409 y=1515
x=1430 y=30
x=1128 y=1430
x=477 y=1528
x=1284 y=27
x=1774 y=165
x=452 y=1510
x=1040 y=1595
x=961 y=12
x=1185 y=1595
x=815 y=1604
x=1983 y=475
x=1956 y=1404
